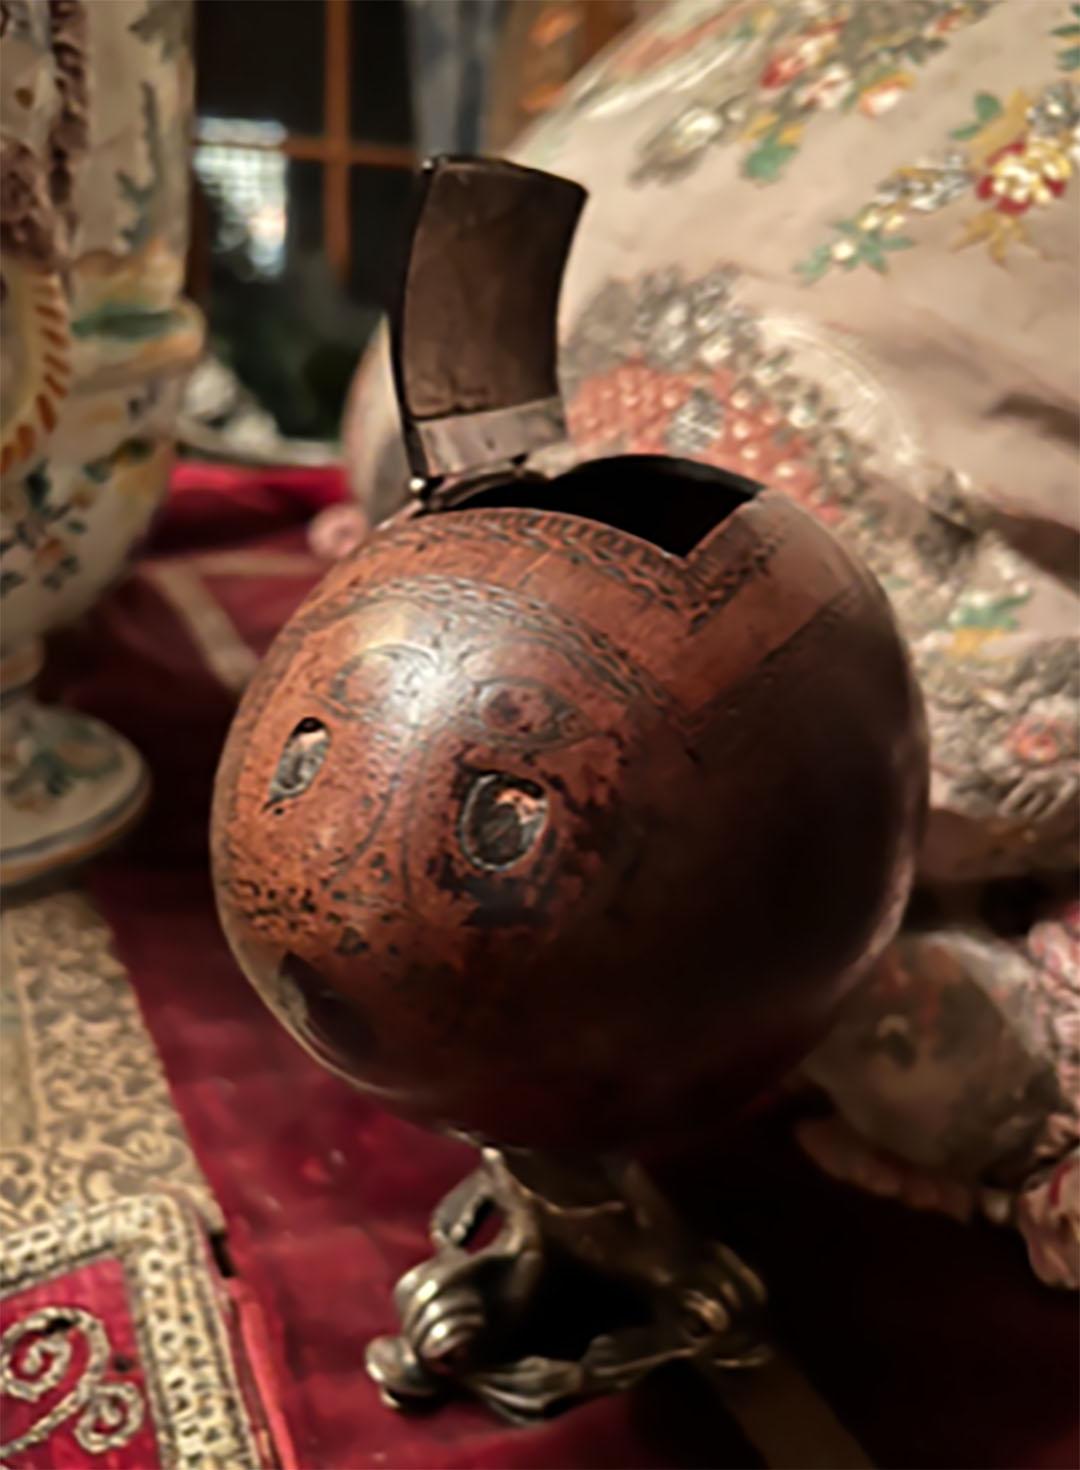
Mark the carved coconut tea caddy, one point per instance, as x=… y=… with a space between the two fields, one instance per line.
x=561 y=818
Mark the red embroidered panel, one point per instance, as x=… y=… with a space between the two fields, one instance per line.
x=75 y=1390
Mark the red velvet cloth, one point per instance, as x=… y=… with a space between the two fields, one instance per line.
x=214 y=505
x=931 y=1341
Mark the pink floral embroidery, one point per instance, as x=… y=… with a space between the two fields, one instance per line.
x=808 y=50
x=885 y=94
x=1039 y=741
x=1014 y=157
x=638 y=405
x=1028 y=172
x=854 y=54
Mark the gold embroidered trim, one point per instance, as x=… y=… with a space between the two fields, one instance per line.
x=91 y=1118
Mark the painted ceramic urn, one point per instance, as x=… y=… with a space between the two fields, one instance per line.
x=94 y=108
x=565 y=812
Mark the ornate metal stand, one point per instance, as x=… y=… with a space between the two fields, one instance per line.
x=469 y=1316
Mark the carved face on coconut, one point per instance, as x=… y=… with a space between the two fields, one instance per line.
x=431 y=783
x=479 y=846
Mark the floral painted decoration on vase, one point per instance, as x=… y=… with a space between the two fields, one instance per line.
x=97 y=339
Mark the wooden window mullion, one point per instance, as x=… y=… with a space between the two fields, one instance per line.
x=336 y=126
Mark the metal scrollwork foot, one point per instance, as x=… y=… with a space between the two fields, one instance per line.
x=467 y=1313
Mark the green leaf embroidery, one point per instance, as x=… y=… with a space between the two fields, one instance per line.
x=987 y=106
x=996 y=615
x=1069 y=59
x=815 y=265
x=871 y=252
x=767 y=161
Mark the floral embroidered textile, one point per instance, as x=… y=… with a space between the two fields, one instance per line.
x=1015 y=157
x=784 y=63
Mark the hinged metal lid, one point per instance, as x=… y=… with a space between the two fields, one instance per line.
x=473 y=339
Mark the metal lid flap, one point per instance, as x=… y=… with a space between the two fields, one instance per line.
x=473 y=339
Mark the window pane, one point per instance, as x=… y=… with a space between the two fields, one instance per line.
x=305 y=233
x=277 y=315
x=380 y=200
x=247 y=191
x=261 y=61
x=380 y=102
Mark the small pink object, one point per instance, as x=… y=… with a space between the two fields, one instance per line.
x=338 y=531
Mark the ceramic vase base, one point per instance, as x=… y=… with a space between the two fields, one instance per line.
x=69 y=787
x=590 y=1282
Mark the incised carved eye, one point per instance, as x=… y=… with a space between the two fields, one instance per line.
x=502 y=818
x=526 y=713
x=300 y=761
